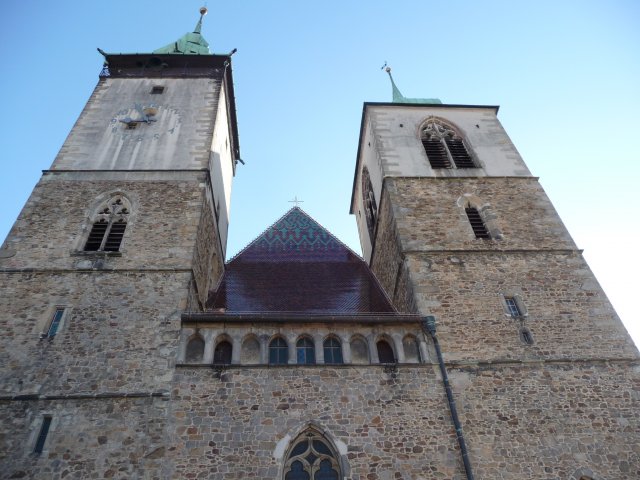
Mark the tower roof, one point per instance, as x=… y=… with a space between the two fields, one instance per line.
x=399 y=98
x=296 y=265
x=191 y=43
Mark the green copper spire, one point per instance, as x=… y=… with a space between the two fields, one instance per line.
x=191 y=43
x=399 y=98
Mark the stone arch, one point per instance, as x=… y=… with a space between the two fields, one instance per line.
x=332 y=349
x=194 y=350
x=250 y=350
x=278 y=350
x=305 y=350
x=359 y=350
x=106 y=223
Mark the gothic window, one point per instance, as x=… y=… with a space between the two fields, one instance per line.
x=477 y=223
x=369 y=202
x=385 y=352
x=108 y=227
x=305 y=352
x=444 y=146
x=42 y=435
x=222 y=353
x=195 y=350
x=332 y=351
x=278 y=352
x=359 y=351
x=411 y=350
x=312 y=458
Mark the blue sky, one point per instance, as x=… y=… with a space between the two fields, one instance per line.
x=565 y=74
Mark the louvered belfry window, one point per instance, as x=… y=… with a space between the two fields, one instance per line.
x=108 y=227
x=477 y=224
x=444 y=146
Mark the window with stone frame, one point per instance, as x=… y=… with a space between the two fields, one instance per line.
x=305 y=351
x=109 y=225
x=411 y=349
x=53 y=325
x=42 y=435
x=278 y=352
x=385 y=352
x=359 y=351
x=444 y=146
x=195 y=350
x=369 y=202
x=222 y=353
x=332 y=351
x=312 y=457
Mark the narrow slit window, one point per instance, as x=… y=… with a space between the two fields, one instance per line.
x=54 y=324
x=477 y=224
x=157 y=90
x=42 y=435
x=107 y=231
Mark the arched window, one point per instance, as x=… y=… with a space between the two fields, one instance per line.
x=411 y=350
x=195 y=350
x=312 y=458
x=332 y=351
x=444 y=146
x=278 y=352
x=369 y=202
x=108 y=227
x=359 y=351
x=305 y=351
x=222 y=353
x=385 y=352
x=250 y=353
x=526 y=337
x=477 y=223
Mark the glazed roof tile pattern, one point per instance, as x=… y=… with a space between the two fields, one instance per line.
x=296 y=265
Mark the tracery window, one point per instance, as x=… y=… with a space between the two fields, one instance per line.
x=369 y=202
x=444 y=146
x=312 y=458
x=305 y=352
x=332 y=351
x=278 y=352
x=108 y=227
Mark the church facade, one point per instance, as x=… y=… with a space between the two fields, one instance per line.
x=471 y=340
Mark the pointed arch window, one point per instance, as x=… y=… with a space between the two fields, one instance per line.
x=444 y=146
x=385 y=352
x=195 y=350
x=108 y=226
x=312 y=458
x=369 y=202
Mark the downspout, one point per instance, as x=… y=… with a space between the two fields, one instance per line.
x=429 y=325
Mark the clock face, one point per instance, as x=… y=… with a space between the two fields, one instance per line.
x=144 y=121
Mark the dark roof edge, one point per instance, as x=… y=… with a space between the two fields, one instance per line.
x=287 y=317
x=392 y=104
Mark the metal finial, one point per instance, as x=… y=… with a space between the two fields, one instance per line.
x=203 y=11
x=296 y=201
x=388 y=69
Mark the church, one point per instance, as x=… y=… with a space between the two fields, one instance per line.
x=469 y=341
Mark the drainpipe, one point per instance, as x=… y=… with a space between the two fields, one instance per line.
x=429 y=325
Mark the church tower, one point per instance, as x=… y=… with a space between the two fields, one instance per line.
x=458 y=230
x=126 y=230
